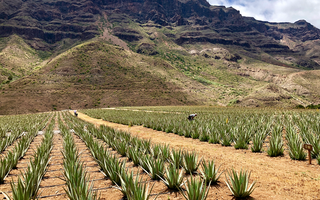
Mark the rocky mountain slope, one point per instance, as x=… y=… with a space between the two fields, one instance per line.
x=61 y=53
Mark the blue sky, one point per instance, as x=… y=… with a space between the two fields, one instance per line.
x=276 y=10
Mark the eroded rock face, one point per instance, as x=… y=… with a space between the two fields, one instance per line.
x=50 y=20
x=53 y=21
x=77 y=18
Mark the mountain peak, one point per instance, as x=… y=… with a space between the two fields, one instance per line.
x=303 y=22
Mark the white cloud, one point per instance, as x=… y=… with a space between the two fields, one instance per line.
x=276 y=10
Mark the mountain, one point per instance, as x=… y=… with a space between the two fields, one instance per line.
x=97 y=53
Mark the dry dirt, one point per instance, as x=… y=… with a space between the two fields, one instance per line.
x=277 y=178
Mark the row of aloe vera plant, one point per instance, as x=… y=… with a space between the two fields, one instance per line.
x=75 y=174
x=226 y=130
x=239 y=127
x=131 y=187
x=110 y=164
x=159 y=162
x=10 y=160
x=304 y=130
x=28 y=183
x=13 y=127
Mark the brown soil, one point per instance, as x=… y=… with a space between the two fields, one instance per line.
x=277 y=178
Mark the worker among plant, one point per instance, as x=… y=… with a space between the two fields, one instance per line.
x=75 y=113
x=191 y=117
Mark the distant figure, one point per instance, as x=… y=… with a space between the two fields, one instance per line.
x=75 y=113
x=191 y=117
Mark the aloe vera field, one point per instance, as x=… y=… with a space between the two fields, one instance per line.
x=157 y=153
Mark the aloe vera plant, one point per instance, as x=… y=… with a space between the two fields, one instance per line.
x=127 y=183
x=165 y=151
x=226 y=138
x=76 y=177
x=114 y=169
x=196 y=189
x=276 y=146
x=204 y=137
x=77 y=181
x=210 y=172
x=155 y=167
x=187 y=132
x=6 y=164
x=238 y=183
x=196 y=133
x=176 y=158
x=241 y=135
x=257 y=143
x=10 y=161
x=313 y=139
x=142 y=161
x=295 y=145
x=214 y=138
x=120 y=146
x=146 y=145
x=134 y=155
x=276 y=142
x=190 y=162
x=139 y=190
x=155 y=151
x=133 y=188
x=172 y=177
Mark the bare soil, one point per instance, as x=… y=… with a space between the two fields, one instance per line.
x=277 y=178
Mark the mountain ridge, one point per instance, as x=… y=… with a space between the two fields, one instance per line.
x=208 y=55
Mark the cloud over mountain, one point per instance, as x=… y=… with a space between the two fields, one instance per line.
x=276 y=11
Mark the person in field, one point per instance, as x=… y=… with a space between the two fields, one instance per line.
x=75 y=113
x=191 y=117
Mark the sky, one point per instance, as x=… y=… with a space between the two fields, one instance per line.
x=276 y=10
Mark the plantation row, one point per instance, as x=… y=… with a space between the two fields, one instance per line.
x=28 y=183
x=178 y=169
x=174 y=167
x=241 y=128
x=13 y=127
x=75 y=175
x=25 y=132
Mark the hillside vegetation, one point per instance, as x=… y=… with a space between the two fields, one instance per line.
x=99 y=74
x=164 y=53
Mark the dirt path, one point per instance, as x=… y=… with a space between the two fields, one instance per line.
x=277 y=178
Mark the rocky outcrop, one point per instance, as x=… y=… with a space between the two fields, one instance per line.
x=53 y=21
x=147 y=49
